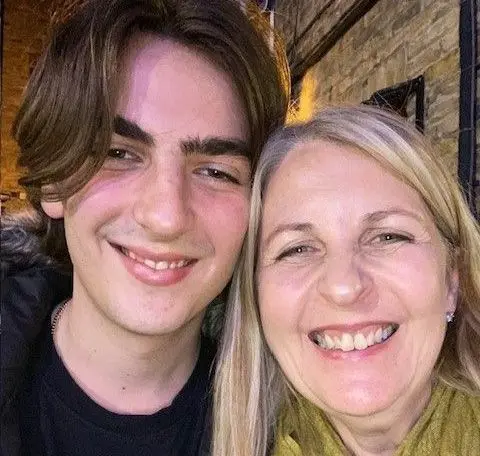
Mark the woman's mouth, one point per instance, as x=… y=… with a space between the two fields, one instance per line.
x=353 y=340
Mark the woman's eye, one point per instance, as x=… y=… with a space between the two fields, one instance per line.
x=219 y=175
x=295 y=251
x=390 y=238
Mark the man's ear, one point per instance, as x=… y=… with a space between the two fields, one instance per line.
x=54 y=209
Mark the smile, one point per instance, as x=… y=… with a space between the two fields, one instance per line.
x=349 y=341
x=156 y=265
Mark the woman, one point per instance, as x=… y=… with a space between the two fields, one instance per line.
x=354 y=320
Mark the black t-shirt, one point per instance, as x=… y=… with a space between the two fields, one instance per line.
x=58 y=418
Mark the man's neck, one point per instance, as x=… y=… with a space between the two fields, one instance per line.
x=123 y=372
x=382 y=433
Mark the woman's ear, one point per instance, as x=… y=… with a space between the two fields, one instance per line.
x=453 y=284
x=54 y=209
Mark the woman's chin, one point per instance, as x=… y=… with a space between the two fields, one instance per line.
x=356 y=401
x=359 y=406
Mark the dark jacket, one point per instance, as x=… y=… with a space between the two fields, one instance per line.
x=31 y=285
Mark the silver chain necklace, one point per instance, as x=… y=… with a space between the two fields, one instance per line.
x=57 y=313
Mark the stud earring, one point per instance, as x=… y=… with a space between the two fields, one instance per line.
x=450 y=316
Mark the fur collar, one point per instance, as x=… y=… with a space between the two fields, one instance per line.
x=20 y=238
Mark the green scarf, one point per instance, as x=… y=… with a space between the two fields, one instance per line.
x=449 y=426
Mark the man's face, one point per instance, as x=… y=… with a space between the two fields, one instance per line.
x=154 y=236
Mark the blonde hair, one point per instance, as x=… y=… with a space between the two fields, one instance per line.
x=250 y=389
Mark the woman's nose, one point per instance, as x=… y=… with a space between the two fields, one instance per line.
x=343 y=281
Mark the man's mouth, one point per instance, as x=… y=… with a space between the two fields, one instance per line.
x=161 y=265
x=356 y=340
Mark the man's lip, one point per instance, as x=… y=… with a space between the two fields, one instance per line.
x=146 y=254
x=155 y=269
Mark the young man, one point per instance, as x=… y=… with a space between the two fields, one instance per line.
x=139 y=131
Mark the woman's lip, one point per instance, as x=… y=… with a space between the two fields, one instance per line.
x=354 y=355
x=353 y=327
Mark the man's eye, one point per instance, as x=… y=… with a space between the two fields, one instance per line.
x=120 y=154
x=118 y=159
x=219 y=175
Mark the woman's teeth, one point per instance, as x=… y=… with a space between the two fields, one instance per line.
x=354 y=341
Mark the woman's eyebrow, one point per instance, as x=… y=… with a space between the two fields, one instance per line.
x=283 y=227
x=378 y=216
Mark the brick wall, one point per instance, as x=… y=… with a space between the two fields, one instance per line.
x=26 y=23
x=393 y=42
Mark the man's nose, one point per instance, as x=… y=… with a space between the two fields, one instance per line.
x=163 y=209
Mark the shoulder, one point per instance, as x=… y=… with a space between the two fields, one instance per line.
x=31 y=281
x=450 y=425
x=27 y=301
x=455 y=406
x=302 y=429
x=28 y=298
x=31 y=286
x=462 y=417
x=21 y=244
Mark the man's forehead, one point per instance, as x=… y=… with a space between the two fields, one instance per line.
x=167 y=86
x=147 y=56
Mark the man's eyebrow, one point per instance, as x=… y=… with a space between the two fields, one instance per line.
x=214 y=145
x=378 y=216
x=283 y=227
x=131 y=130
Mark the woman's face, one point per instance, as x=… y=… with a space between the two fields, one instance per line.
x=352 y=281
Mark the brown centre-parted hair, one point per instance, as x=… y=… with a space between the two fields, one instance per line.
x=65 y=122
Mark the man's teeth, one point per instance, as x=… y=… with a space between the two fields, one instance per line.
x=157 y=266
x=356 y=341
